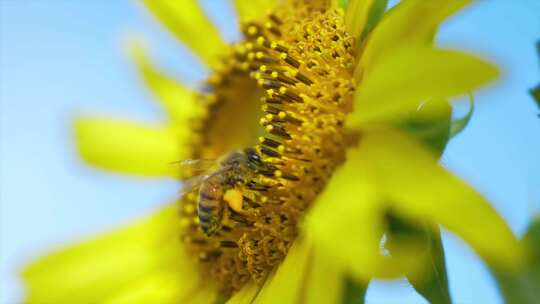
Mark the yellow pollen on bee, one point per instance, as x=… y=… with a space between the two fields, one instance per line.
x=234 y=199
x=278 y=173
x=282 y=114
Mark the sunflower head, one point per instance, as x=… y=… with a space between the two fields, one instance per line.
x=290 y=83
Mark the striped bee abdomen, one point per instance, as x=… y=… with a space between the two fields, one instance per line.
x=210 y=207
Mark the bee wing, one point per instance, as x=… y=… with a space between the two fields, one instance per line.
x=191 y=184
x=195 y=182
x=195 y=167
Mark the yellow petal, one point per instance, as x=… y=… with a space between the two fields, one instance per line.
x=143 y=254
x=249 y=10
x=325 y=280
x=356 y=16
x=285 y=285
x=347 y=223
x=389 y=171
x=418 y=188
x=162 y=287
x=245 y=295
x=201 y=296
x=306 y=276
x=188 y=22
x=180 y=102
x=412 y=75
x=410 y=22
x=130 y=147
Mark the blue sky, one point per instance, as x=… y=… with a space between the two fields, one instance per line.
x=62 y=58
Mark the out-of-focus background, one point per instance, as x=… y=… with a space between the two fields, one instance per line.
x=61 y=58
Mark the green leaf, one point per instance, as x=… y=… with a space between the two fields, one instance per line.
x=375 y=14
x=536 y=95
x=535 y=92
x=433 y=284
x=355 y=292
x=459 y=124
x=430 y=124
x=524 y=287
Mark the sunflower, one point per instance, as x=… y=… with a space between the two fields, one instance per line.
x=321 y=92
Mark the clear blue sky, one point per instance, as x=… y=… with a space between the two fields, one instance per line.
x=60 y=58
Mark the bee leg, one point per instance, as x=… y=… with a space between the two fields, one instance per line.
x=234 y=199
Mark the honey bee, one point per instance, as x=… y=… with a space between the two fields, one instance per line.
x=218 y=185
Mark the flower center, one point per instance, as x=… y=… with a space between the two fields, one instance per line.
x=296 y=65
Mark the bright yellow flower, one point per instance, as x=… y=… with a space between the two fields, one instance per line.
x=315 y=90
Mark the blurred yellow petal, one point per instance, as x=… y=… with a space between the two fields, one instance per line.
x=325 y=281
x=356 y=16
x=389 y=171
x=347 y=223
x=346 y=219
x=249 y=10
x=410 y=22
x=138 y=255
x=412 y=75
x=188 y=22
x=201 y=296
x=245 y=295
x=130 y=147
x=163 y=287
x=306 y=276
x=180 y=102
x=417 y=187
x=286 y=284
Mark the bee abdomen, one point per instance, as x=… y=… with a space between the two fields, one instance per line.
x=207 y=195
x=206 y=210
x=209 y=210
